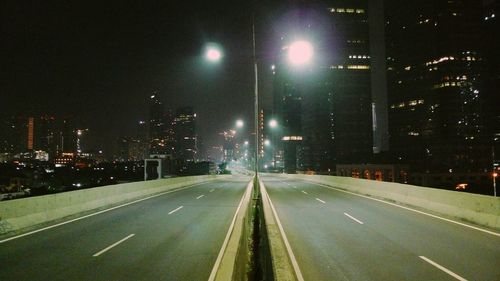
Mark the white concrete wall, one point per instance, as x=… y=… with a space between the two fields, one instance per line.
x=28 y=212
x=479 y=209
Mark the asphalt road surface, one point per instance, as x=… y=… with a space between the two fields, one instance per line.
x=335 y=235
x=176 y=236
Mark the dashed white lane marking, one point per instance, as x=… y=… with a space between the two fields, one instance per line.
x=96 y=213
x=304 y=192
x=173 y=211
x=411 y=209
x=111 y=246
x=449 y=272
x=353 y=218
x=320 y=200
x=211 y=190
x=200 y=196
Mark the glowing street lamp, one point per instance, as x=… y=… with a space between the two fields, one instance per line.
x=239 y=123
x=300 y=52
x=213 y=53
x=273 y=123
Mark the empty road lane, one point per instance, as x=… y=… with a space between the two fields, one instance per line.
x=335 y=235
x=175 y=236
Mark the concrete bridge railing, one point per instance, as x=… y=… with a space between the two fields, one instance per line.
x=21 y=214
x=479 y=209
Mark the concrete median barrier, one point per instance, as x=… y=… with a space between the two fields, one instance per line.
x=18 y=215
x=478 y=209
x=284 y=265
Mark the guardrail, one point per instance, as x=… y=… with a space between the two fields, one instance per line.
x=25 y=213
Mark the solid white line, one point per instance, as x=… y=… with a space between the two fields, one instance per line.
x=173 y=211
x=320 y=200
x=304 y=192
x=295 y=264
x=353 y=218
x=228 y=235
x=456 y=276
x=413 y=210
x=199 y=196
x=111 y=246
x=97 y=213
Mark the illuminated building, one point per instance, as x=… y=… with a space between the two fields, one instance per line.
x=229 y=146
x=46 y=135
x=436 y=85
x=329 y=106
x=67 y=136
x=11 y=132
x=156 y=125
x=31 y=133
x=184 y=128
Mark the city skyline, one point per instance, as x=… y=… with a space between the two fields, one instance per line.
x=103 y=67
x=331 y=111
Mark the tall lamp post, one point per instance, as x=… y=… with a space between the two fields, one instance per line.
x=299 y=53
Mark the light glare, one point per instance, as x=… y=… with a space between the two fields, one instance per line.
x=273 y=123
x=300 y=52
x=239 y=123
x=213 y=54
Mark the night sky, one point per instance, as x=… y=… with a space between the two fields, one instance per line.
x=100 y=61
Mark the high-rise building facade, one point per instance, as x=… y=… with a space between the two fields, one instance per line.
x=331 y=99
x=184 y=128
x=156 y=125
x=436 y=85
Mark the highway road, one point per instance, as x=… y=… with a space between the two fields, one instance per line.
x=335 y=235
x=176 y=236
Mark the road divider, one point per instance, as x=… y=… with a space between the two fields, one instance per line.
x=233 y=257
x=284 y=264
x=22 y=215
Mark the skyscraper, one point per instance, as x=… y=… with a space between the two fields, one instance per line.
x=184 y=127
x=332 y=99
x=437 y=85
x=156 y=125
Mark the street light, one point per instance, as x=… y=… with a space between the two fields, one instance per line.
x=300 y=52
x=213 y=52
x=273 y=123
x=239 y=123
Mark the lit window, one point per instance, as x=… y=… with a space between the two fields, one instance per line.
x=413 y=103
x=408 y=68
x=361 y=11
x=340 y=10
x=349 y=10
x=358 y=67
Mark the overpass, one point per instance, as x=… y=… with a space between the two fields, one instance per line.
x=196 y=228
